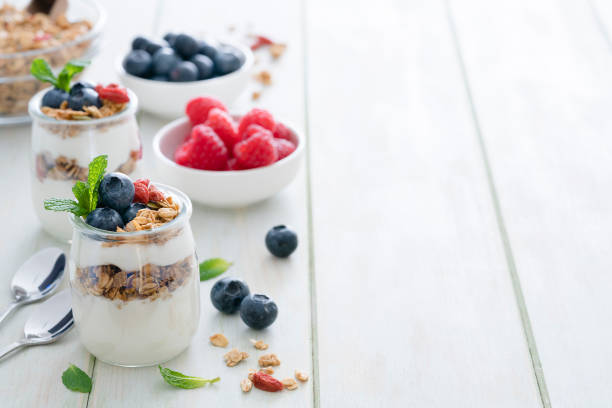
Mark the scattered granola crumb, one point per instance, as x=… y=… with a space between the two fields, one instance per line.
x=289 y=384
x=246 y=385
x=277 y=49
x=259 y=344
x=234 y=356
x=264 y=77
x=251 y=373
x=219 y=340
x=267 y=370
x=255 y=96
x=301 y=375
x=268 y=360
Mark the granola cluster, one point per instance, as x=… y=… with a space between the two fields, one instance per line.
x=90 y=112
x=150 y=282
x=158 y=213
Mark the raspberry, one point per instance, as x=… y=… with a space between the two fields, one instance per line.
x=252 y=129
x=282 y=132
x=259 y=117
x=113 y=93
x=223 y=125
x=181 y=156
x=206 y=150
x=256 y=151
x=141 y=193
x=155 y=194
x=266 y=382
x=197 y=109
x=283 y=147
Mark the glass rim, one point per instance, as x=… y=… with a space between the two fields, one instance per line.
x=185 y=210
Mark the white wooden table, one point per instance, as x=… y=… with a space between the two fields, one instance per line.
x=454 y=212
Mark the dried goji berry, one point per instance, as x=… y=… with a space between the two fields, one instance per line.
x=266 y=382
x=113 y=93
x=155 y=194
x=260 y=41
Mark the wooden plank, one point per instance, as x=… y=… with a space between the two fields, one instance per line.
x=415 y=302
x=540 y=76
x=237 y=235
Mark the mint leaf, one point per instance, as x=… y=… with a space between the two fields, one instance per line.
x=211 y=268
x=62 y=204
x=76 y=379
x=97 y=167
x=70 y=69
x=81 y=192
x=42 y=71
x=179 y=380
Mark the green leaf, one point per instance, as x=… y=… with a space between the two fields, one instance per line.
x=70 y=69
x=81 y=192
x=76 y=379
x=42 y=71
x=179 y=380
x=62 y=204
x=211 y=268
x=97 y=167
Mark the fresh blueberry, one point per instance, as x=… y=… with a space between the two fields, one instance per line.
x=54 y=97
x=83 y=97
x=170 y=38
x=129 y=214
x=226 y=62
x=185 y=45
x=164 y=60
x=227 y=293
x=139 y=43
x=258 y=311
x=105 y=218
x=137 y=62
x=184 y=72
x=152 y=47
x=116 y=191
x=233 y=50
x=281 y=241
x=206 y=67
x=80 y=85
x=207 y=49
x=161 y=78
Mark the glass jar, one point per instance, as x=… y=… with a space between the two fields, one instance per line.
x=62 y=149
x=136 y=295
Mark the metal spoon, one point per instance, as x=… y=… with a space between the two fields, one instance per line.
x=48 y=322
x=37 y=278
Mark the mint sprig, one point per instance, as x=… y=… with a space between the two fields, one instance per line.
x=42 y=71
x=76 y=379
x=211 y=268
x=180 y=380
x=86 y=193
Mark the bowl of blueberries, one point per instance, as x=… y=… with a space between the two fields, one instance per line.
x=166 y=74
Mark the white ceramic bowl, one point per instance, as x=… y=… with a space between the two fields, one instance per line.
x=221 y=188
x=168 y=99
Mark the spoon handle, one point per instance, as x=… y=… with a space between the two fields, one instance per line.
x=14 y=346
x=12 y=306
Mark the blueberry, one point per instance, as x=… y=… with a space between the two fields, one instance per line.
x=137 y=62
x=83 y=97
x=164 y=60
x=207 y=49
x=184 y=72
x=105 y=218
x=54 y=97
x=152 y=47
x=281 y=241
x=139 y=43
x=232 y=50
x=227 y=293
x=161 y=78
x=226 y=62
x=129 y=214
x=80 y=85
x=258 y=311
x=205 y=66
x=170 y=38
x=116 y=191
x=185 y=45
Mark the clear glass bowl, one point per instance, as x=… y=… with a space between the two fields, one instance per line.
x=62 y=149
x=17 y=85
x=136 y=295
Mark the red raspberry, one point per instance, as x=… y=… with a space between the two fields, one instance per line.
x=232 y=164
x=155 y=194
x=197 y=109
x=141 y=193
x=223 y=125
x=113 y=93
x=256 y=151
x=259 y=117
x=283 y=147
x=207 y=151
x=182 y=154
x=283 y=132
x=266 y=382
x=252 y=129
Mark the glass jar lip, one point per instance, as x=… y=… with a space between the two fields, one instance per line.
x=37 y=114
x=184 y=215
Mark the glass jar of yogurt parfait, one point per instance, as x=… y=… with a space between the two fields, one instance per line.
x=63 y=145
x=135 y=295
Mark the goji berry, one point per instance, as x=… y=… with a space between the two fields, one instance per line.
x=113 y=93
x=266 y=382
x=260 y=41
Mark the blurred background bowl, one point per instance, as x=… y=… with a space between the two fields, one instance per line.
x=227 y=189
x=168 y=99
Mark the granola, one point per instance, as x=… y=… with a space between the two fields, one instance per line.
x=301 y=375
x=289 y=384
x=219 y=340
x=267 y=370
x=259 y=344
x=234 y=356
x=246 y=385
x=268 y=360
x=64 y=168
x=159 y=213
x=90 y=112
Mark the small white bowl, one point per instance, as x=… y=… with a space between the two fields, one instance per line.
x=168 y=99
x=228 y=189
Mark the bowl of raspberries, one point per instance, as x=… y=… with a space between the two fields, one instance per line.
x=226 y=160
